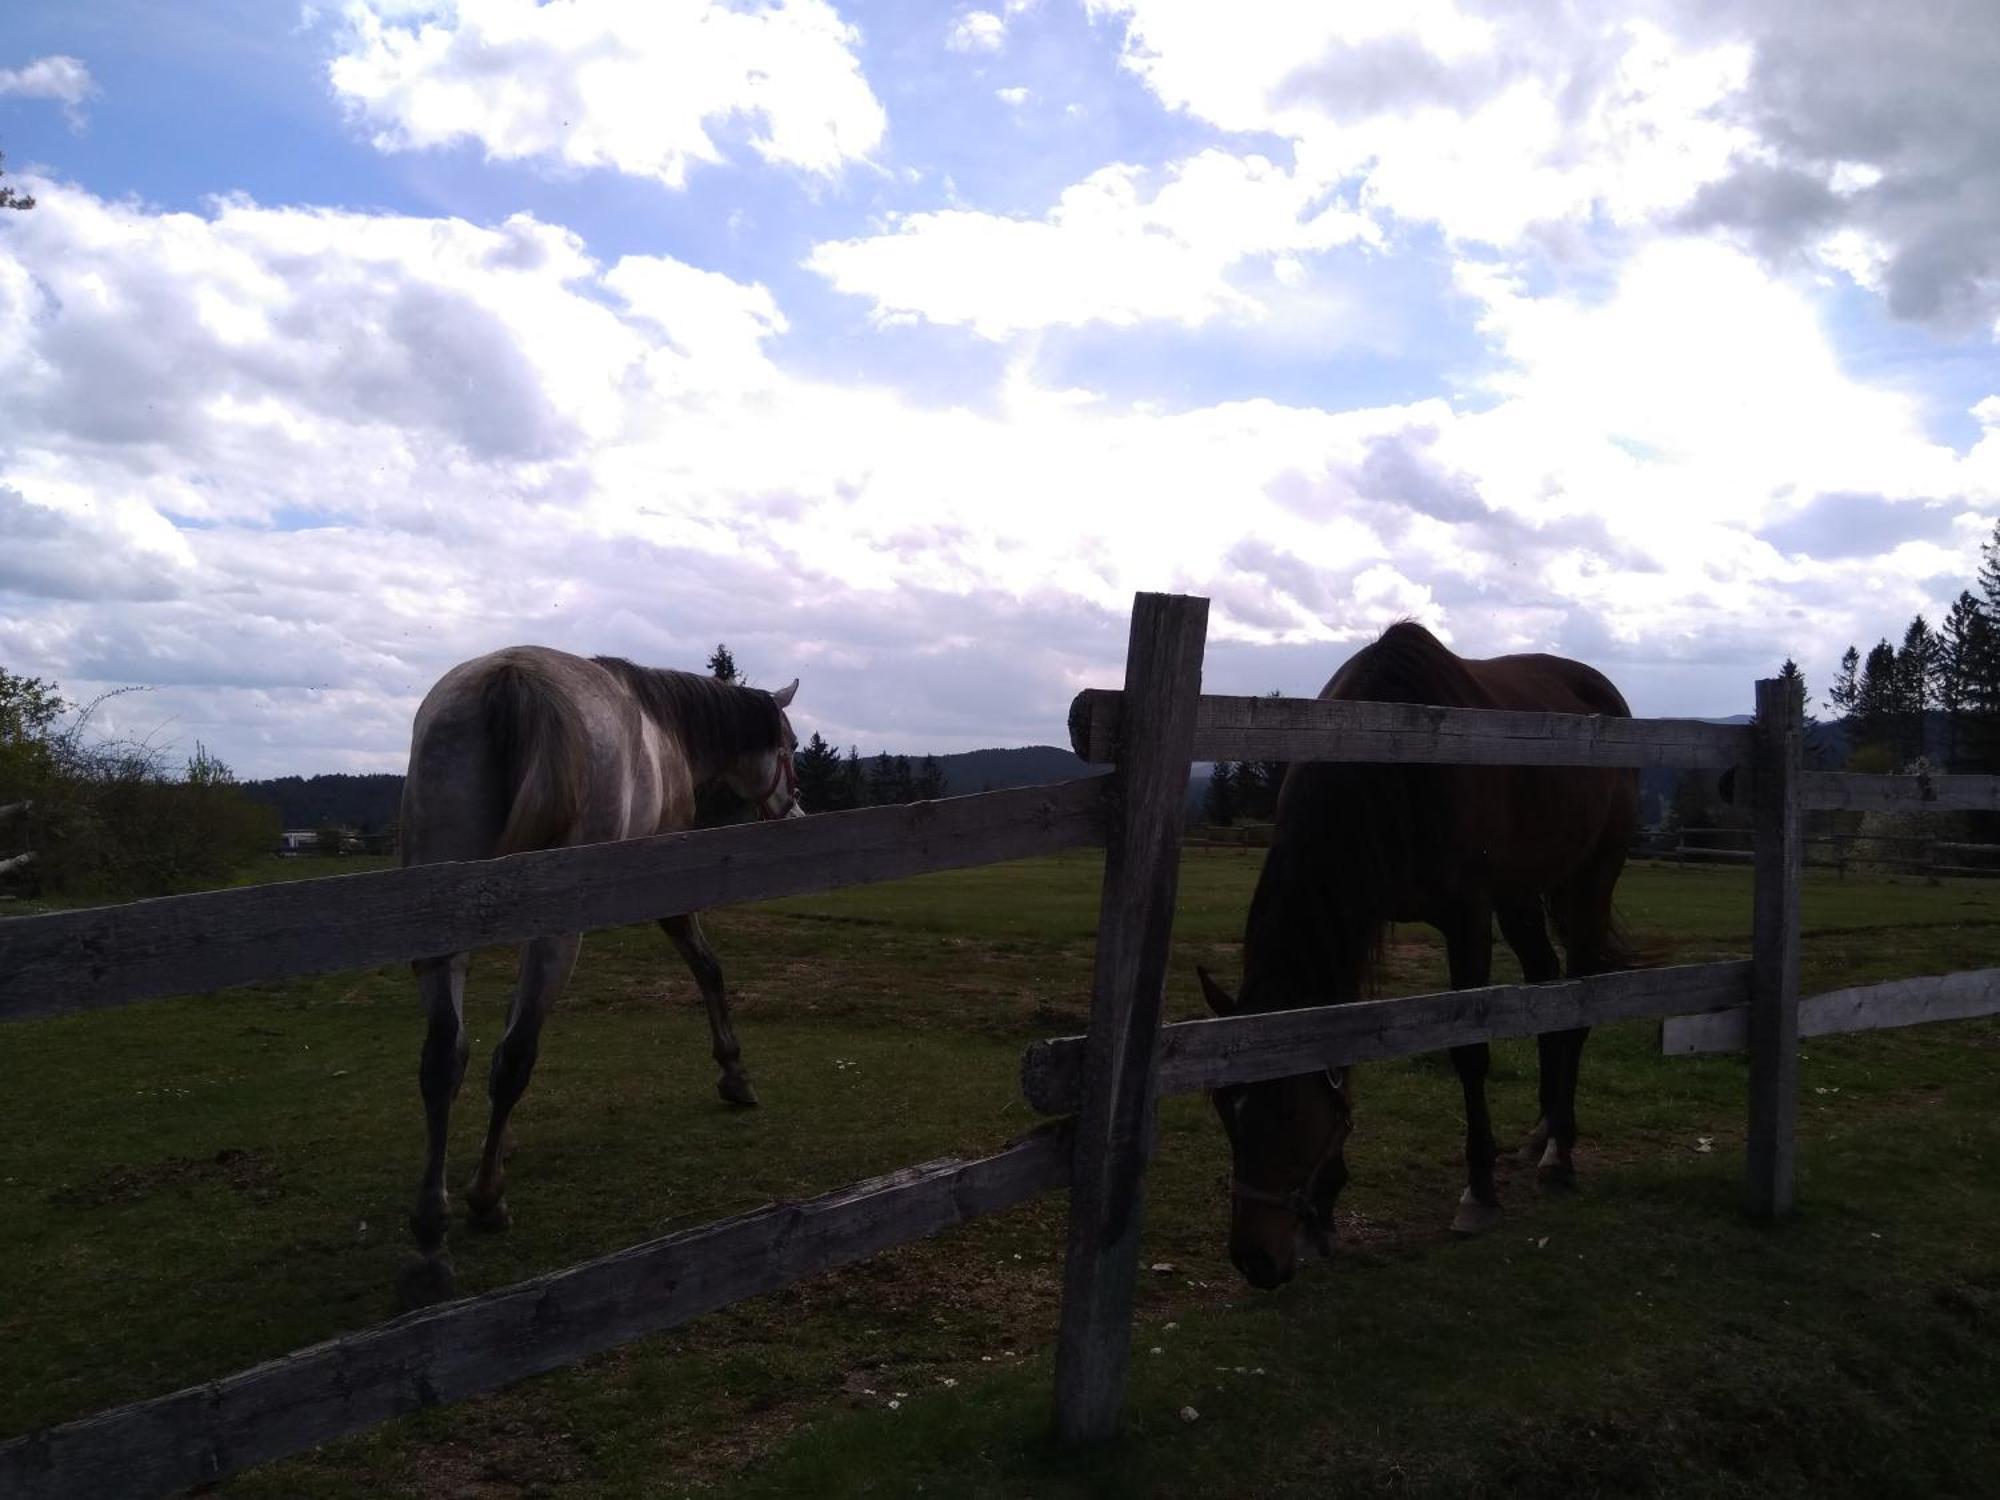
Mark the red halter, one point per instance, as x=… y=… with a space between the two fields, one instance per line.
x=785 y=773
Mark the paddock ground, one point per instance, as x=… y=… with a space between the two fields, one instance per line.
x=195 y=1185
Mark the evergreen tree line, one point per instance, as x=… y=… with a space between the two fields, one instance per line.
x=1246 y=789
x=830 y=782
x=1949 y=676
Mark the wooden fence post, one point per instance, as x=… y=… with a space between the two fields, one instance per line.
x=1778 y=758
x=1114 y=1123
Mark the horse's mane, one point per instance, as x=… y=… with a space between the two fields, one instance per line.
x=714 y=721
x=1348 y=832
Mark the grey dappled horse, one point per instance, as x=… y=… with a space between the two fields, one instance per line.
x=532 y=748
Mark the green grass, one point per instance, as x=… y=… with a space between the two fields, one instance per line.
x=192 y=1186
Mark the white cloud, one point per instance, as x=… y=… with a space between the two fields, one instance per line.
x=1865 y=137
x=63 y=79
x=1483 y=126
x=977 y=31
x=318 y=456
x=1108 y=252
x=1016 y=96
x=593 y=83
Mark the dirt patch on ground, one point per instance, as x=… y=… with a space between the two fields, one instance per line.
x=512 y=1458
x=251 y=1173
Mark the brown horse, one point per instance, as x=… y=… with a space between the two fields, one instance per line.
x=1356 y=847
x=532 y=748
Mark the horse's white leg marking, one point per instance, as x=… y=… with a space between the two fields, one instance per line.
x=1474 y=1217
x=734 y=1085
x=546 y=964
x=1555 y=1167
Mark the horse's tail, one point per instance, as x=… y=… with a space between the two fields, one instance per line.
x=537 y=740
x=1619 y=949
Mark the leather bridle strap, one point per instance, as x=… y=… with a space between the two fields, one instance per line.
x=1299 y=1201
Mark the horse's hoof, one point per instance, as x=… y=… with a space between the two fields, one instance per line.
x=425 y=1279
x=735 y=1089
x=1555 y=1170
x=1533 y=1147
x=1474 y=1217
x=488 y=1217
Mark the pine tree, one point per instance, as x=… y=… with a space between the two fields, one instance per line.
x=1875 y=701
x=881 y=781
x=1965 y=680
x=1989 y=573
x=1846 y=691
x=818 y=765
x=721 y=665
x=930 y=780
x=853 y=782
x=1916 y=687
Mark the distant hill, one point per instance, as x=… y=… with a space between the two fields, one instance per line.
x=366 y=804
x=369 y=803
x=991 y=770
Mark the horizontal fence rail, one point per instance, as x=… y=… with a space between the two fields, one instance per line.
x=1288 y=729
x=447 y=1353
x=1841 y=791
x=1206 y=1054
x=105 y=956
x=1964 y=996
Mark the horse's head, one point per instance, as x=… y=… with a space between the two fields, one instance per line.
x=767 y=779
x=1287 y=1138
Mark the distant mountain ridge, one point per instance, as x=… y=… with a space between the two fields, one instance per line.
x=369 y=803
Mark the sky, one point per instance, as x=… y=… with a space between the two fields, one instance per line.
x=897 y=345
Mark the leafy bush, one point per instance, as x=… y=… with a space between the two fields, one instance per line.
x=111 y=818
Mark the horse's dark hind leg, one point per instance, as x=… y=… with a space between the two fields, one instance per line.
x=1469 y=950
x=1583 y=915
x=734 y=1084
x=441 y=985
x=546 y=963
x=1526 y=930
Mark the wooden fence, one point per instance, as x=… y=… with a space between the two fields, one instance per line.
x=1105 y=1083
x=1901 y=853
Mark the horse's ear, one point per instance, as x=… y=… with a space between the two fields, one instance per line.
x=784 y=694
x=1217 y=997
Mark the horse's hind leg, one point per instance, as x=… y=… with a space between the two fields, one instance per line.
x=1469 y=949
x=546 y=963
x=441 y=984
x=1583 y=915
x=734 y=1084
x=1526 y=930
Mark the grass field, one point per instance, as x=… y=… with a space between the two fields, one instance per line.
x=192 y=1186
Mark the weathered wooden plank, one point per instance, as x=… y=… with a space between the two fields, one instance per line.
x=1115 y=1105
x=104 y=956
x=1206 y=1054
x=448 y=1353
x=1289 y=729
x=1845 y=791
x=1870 y=1007
x=1778 y=819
